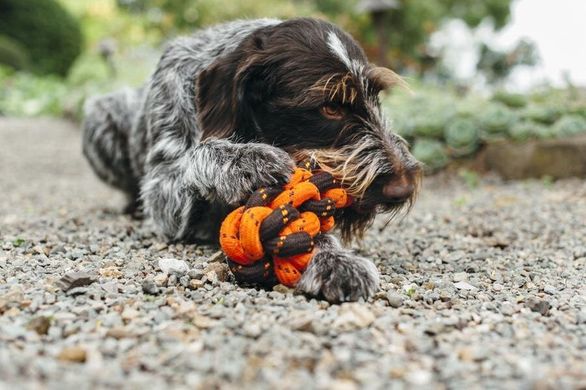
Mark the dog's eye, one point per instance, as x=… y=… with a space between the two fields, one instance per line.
x=332 y=111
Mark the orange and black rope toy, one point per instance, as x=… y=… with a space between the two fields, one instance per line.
x=271 y=238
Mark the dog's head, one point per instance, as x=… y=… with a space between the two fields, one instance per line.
x=306 y=86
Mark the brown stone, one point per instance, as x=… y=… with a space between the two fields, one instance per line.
x=119 y=333
x=73 y=354
x=220 y=269
x=557 y=158
x=40 y=325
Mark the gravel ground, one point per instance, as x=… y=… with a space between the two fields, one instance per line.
x=483 y=287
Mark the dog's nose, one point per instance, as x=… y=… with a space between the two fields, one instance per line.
x=398 y=189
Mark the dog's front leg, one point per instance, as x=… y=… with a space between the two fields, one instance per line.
x=337 y=274
x=182 y=187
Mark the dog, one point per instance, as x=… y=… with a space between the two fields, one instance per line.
x=231 y=109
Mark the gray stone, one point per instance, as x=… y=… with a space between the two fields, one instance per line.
x=173 y=266
x=75 y=279
x=149 y=287
x=395 y=300
x=549 y=289
x=464 y=286
x=539 y=305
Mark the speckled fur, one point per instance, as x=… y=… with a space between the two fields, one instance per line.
x=148 y=143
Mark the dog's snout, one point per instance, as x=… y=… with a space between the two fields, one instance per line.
x=398 y=189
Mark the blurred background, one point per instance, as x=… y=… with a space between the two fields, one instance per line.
x=482 y=73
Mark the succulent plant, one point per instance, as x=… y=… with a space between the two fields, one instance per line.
x=431 y=153
x=542 y=113
x=521 y=131
x=569 y=125
x=431 y=117
x=512 y=100
x=462 y=137
x=495 y=121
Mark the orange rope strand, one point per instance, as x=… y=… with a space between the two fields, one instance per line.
x=276 y=229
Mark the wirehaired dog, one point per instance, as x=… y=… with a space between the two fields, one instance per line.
x=230 y=109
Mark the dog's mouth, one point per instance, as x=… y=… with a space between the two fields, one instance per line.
x=367 y=181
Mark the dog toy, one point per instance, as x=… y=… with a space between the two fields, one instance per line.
x=270 y=239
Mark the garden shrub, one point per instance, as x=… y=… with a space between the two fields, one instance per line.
x=51 y=35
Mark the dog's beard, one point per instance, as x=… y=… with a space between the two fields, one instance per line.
x=356 y=167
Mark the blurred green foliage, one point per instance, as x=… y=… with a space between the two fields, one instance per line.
x=24 y=94
x=51 y=36
x=497 y=65
x=411 y=24
x=27 y=94
x=408 y=26
x=443 y=125
x=13 y=54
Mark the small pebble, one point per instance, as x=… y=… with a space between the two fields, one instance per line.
x=464 y=286
x=395 y=300
x=73 y=354
x=40 y=324
x=150 y=287
x=75 y=279
x=173 y=266
x=539 y=305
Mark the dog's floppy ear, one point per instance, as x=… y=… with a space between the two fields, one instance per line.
x=214 y=104
x=227 y=89
x=383 y=78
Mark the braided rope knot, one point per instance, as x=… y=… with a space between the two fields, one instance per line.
x=271 y=237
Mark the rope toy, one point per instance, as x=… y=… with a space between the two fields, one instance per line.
x=271 y=239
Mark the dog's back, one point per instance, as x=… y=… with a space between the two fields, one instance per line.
x=118 y=127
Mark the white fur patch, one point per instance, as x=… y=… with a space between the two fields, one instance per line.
x=338 y=48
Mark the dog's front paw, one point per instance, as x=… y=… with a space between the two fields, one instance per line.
x=255 y=166
x=268 y=165
x=339 y=276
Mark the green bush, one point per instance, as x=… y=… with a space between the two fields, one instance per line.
x=51 y=35
x=13 y=54
x=569 y=125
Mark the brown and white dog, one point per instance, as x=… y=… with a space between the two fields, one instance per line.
x=230 y=109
